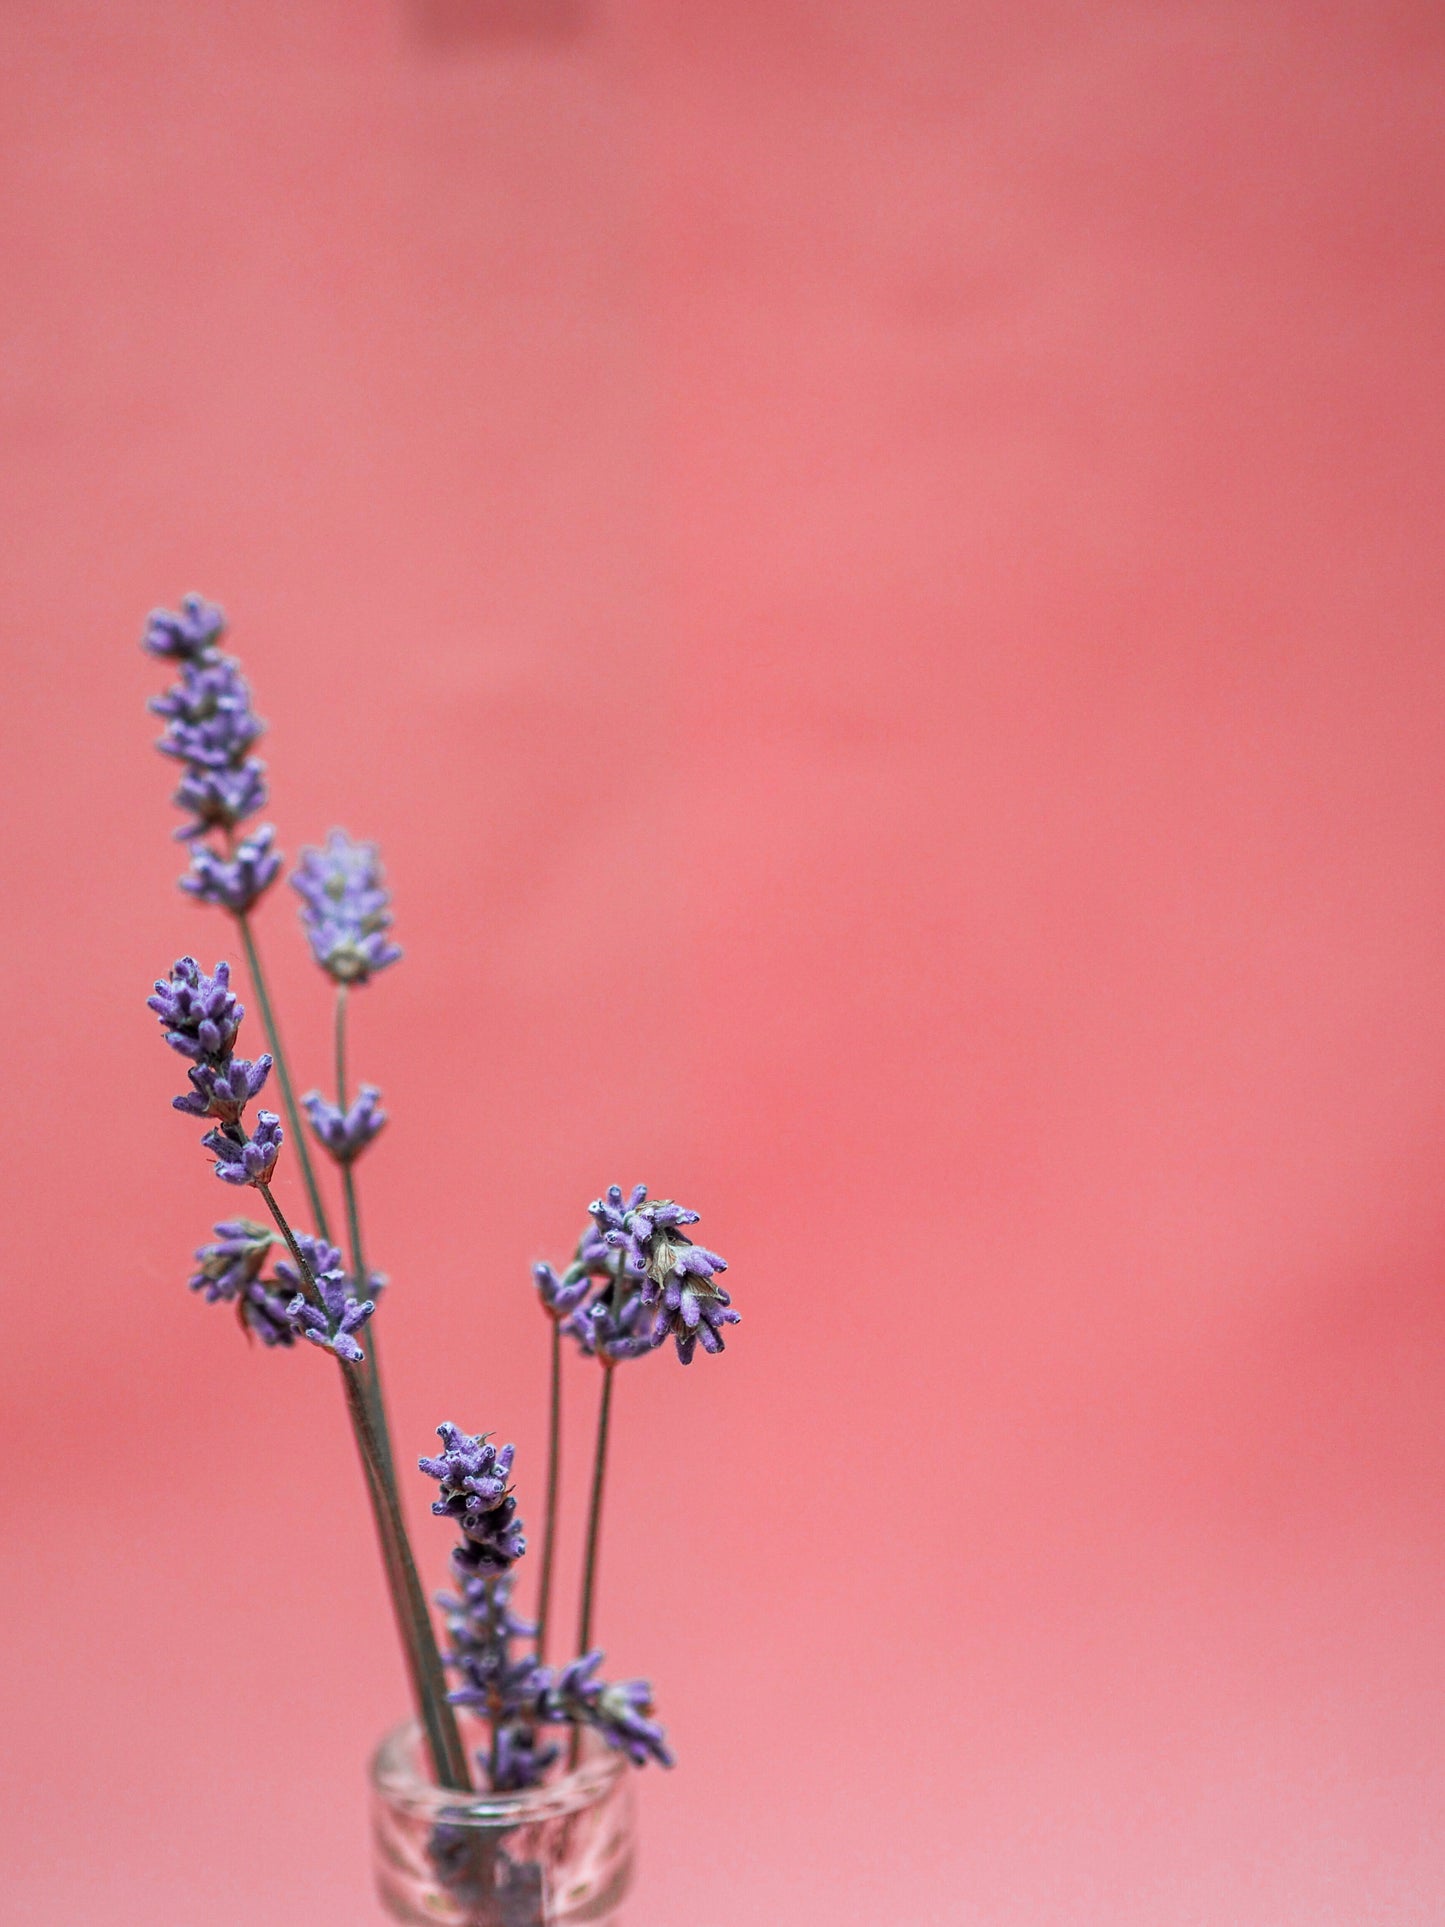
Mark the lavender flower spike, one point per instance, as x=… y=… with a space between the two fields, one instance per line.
x=192 y=635
x=234 y=883
x=346 y=908
x=334 y=1323
x=473 y=1478
x=345 y=1134
x=199 y=1014
x=248 y=1160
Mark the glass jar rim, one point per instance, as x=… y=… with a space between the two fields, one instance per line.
x=397 y=1778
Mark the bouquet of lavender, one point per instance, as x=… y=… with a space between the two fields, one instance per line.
x=635 y=1280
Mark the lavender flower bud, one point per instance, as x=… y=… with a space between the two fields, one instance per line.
x=560 y=1296
x=199 y=1014
x=252 y=1160
x=233 y=1262
x=620 y=1713
x=345 y=1134
x=346 y=908
x=236 y=882
x=263 y=1315
x=317 y=1255
x=210 y=723
x=693 y=1312
x=473 y=1478
x=190 y=636
x=220 y=799
x=224 y=1090
x=334 y=1322
x=614 y=1332
x=649 y=1238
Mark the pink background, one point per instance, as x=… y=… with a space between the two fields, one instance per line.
x=877 y=572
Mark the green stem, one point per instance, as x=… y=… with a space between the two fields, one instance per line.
x=594 y=1512
x=428 y=1680
x=283 y=1073
x=554 y=1481
x=372 y=1367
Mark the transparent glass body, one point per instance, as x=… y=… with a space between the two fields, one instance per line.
x=549 y=1857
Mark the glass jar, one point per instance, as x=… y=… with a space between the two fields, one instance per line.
x=547 y=1857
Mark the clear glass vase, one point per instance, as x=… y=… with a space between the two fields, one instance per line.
x=548 y=1857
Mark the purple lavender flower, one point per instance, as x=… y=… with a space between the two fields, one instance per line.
x=473 y=1478
x=199 y=1014
x=334 y=1322
x=560 y=1296
x=220 y=799
x=224 y=1090
x=620 y=1713
x=210 y=723
x=612 y=1331
x=247 y=1160
x=346 y=908
x=234 y=883
x=693 y=1312
x=345 y=1134
x=649 y=1238
x=318 y=1256
x=263 y=1315
x=234 y=1261
x=189 y=636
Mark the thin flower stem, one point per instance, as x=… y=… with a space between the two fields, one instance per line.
x=594 y=1512
x=428 y=1680
x=554 y=1481
x=283 y=1072
x=372 y=1367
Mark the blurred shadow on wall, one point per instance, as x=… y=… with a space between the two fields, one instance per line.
x=458 y=26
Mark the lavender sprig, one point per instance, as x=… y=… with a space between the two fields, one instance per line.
x=346 y=908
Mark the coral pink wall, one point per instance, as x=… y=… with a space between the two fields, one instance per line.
x=876 y=570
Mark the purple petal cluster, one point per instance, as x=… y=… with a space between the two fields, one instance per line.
x=650 y=1281
x=229 y=1270
x=333 y=1323
x=345 y=1134
x=649 y=1238
x=219 y=799
x=210 y=723
x=200 y=1015
x=246 y=1160
x=346 y=908
x=561 y=1294
x=233 y=1261
x=621 y=1713
x=474 y=1492
x=211 y=728
x=190 y=635
x=692 y=1313
x=224 y=1090
x=613 y=1328
x=234 y=882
